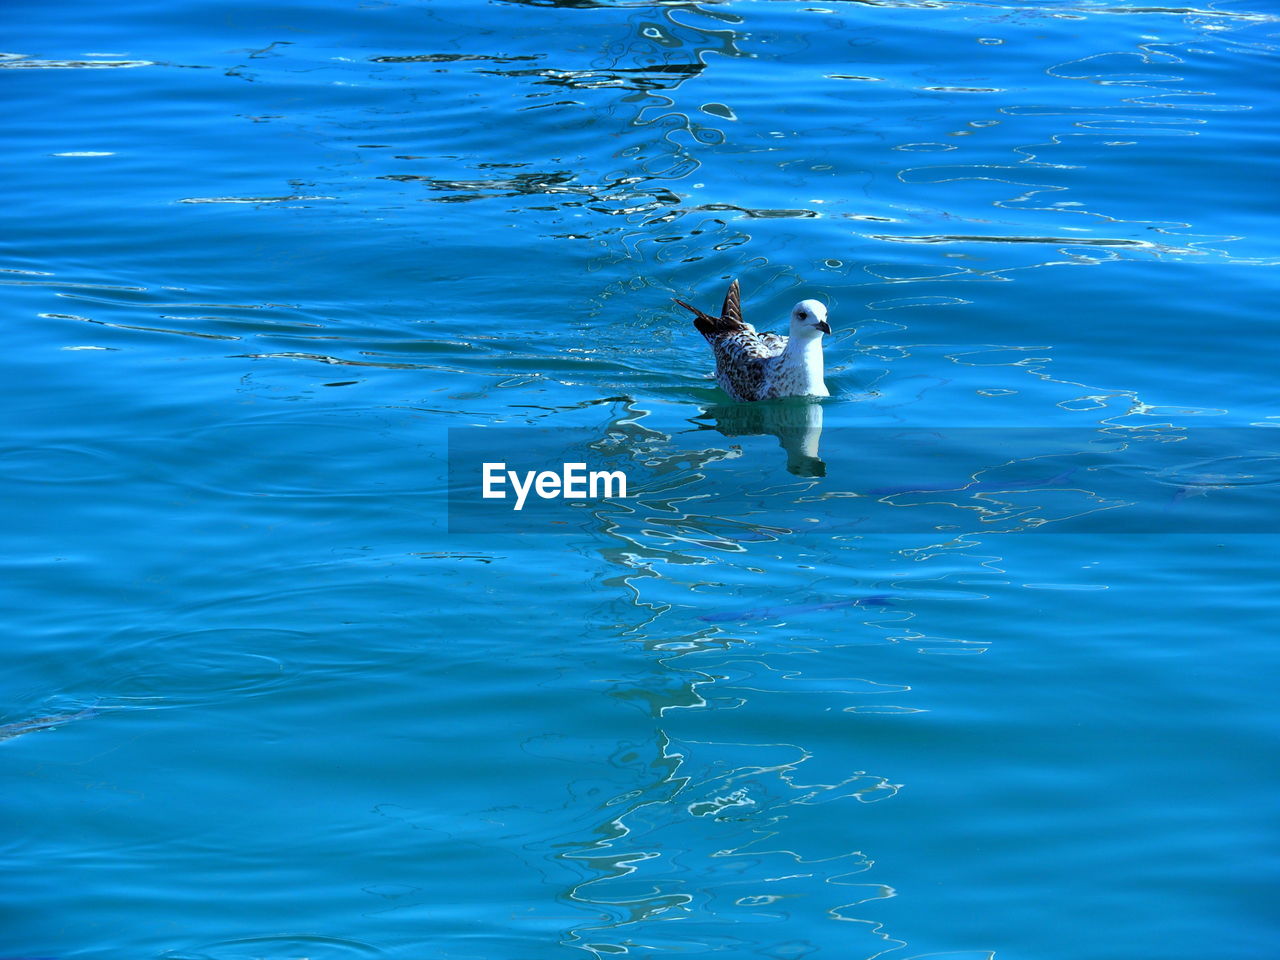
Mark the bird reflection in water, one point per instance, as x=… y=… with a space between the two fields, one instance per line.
x=795 y=421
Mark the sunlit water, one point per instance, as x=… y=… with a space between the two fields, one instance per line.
x=261 y=703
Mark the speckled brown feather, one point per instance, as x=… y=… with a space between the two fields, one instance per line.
x=742 y=355
x=729 y=321
x=731 y=311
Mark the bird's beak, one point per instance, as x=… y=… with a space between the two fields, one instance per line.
x=824 y=327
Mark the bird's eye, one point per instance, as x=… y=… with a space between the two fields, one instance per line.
x=802 y=315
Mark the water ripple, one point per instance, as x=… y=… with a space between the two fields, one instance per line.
x=277 y=947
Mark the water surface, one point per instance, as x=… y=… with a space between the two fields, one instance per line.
x=260 y=702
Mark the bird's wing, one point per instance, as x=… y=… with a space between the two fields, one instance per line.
x=774 y=342
x=743 y=356
x=745 y=346
x=730 y=319
x=745 y=361
x=731 y=311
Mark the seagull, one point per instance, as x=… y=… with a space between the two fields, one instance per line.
x=764 y=366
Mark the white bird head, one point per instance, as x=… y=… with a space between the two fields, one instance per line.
x=809 y=319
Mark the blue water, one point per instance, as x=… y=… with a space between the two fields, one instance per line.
x=263 y=260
